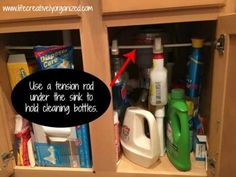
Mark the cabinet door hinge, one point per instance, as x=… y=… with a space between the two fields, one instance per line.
x=212 y=166
x=220 y=44
x=6 y=157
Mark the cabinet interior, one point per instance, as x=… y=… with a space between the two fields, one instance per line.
x=173 y=33
x=18 y=43
x=27 y=40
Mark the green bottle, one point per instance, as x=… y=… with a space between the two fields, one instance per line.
x=178 y=131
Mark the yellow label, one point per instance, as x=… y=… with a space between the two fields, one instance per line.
x=152 y=89
x=17 y=71
x=190 y=107
x=154 y=63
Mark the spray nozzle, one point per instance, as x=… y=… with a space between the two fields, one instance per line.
x=114 y=47
x=157 y=47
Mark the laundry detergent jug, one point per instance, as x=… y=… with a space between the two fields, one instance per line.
x=137 y=147
x=178 y=139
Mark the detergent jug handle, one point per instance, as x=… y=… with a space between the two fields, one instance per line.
x=153 y=146
x=180 y=124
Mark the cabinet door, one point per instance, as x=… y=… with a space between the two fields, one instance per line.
x=222 y=132
x=30 y=10
x=6 y=117
x=128 y=6
x=6 y=169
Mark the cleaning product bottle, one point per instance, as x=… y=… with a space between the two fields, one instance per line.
x=119 y=88
x=158 y=77
x=193 y=77
x=177 y=143
x=160 y=114
x=191 y=115
x=136 y=146
x=193 y=84
x=117 y=136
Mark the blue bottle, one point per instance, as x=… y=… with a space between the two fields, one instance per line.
x=119 y=88
x=193 y=77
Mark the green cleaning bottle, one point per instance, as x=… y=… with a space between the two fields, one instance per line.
x=178 y=131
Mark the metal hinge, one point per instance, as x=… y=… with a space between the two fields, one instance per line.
x=6 y=157
x=220 y=44
x=212 y=166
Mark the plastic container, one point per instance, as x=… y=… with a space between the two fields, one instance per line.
x=119 y=88
x=195 y=61
x=158 y=77
x=137 y=147
x=178 y=138
x=117 y=136
x=160 y=114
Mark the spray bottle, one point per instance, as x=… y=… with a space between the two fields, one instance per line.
x=119 y=88
x=158 y=77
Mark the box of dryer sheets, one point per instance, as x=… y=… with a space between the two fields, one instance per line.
x=18 y=68
x=201 y=147
x=48 y=152
x=84 y=148
x=53 y=154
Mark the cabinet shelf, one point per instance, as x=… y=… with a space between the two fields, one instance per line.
x=52 y=171
x=162 y=167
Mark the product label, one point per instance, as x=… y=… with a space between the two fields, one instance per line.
x=22 y=73
x=193 y=77
x=152 y=89
x=169 y=133
x=117 y=141
x=200 y=151
x=190 y=85
x=155 y=92
x=54 y=57
x=158 y=92
x=123 y=94
x=125 y=132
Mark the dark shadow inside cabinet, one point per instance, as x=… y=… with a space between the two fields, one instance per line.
x=32 y=143
x=24 y=42
x=177 y=48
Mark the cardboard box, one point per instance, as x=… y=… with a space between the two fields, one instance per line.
x=201 y=148
x=17 y=68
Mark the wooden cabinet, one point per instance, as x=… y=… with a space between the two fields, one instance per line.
x=93 y=27
x=34 y=10
x=132 y=6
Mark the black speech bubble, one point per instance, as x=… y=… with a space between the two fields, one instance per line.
x=101 y=97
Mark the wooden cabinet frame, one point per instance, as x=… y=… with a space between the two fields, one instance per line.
x=93 y=28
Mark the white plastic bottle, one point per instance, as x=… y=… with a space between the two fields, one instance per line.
x=160 y=114
x=117 y=136
x=158 y=77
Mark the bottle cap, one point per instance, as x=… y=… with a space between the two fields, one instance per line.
x=177 y=93
x=157 y=48
x=116 y=120
x=114 y=47
x=160 y=112
x=197 y=43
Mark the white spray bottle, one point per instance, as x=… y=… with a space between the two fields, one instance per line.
x=158 y=77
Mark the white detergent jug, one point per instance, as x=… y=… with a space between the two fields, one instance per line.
x=137 y=147
x=57 y=134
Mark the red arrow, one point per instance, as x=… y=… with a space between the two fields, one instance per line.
x=130 y=57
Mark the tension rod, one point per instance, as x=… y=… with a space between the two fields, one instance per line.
x=120 y=46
